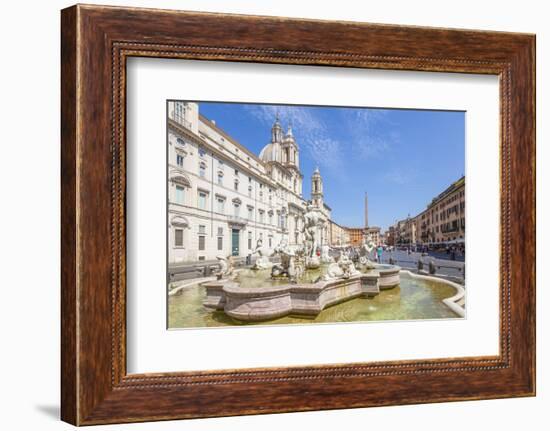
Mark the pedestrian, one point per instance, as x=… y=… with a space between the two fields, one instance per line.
x=379 y=251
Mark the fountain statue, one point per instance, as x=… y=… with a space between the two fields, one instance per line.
x=347 y=266
x=287 y=266
x=326 y=258
x=313 y=221
x=262 y=262
x=299 y=264
x=226 y=267
x=344 y=268
x=367 y=247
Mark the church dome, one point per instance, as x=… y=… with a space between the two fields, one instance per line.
x=271 y=152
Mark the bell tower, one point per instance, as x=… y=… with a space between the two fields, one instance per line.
x=317 y=189
x=290 y=150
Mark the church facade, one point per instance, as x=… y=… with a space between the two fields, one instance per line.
x=223 y=198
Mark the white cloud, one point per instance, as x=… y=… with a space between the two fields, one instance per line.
x=372 y=132
x=400 y=176
x=311 y=133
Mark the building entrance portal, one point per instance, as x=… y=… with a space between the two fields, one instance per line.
x=235 y=242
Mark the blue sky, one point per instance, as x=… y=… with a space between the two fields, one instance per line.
x=401 y=158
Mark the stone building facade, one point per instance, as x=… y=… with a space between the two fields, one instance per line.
x=443 y=220
x=375 y=234
x=222 y=198
x=356 y=235
x=391 y=236
x=339 y=235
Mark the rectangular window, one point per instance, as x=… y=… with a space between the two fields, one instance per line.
x=179 y=112
x=220 y=179
x=202 y=229
x=221 y=205
x=180 y=194
x=202 y=200
x=250 y=240
x=261 y=216
x=236 y=210
x=220 y=243
x=236 y=185
x=250 y=213
x=220 y=231
x=178 y=237
x=179 y=160
x=202 y=242
x=202 y=170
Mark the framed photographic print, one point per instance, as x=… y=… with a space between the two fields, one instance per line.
x=322 y=214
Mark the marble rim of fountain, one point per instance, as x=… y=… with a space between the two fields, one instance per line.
x=389 y=276
x=233 y=287
x=270 y=302
x=451 y=302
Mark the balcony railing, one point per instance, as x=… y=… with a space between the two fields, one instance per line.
x=237 y=220
x=182 y=121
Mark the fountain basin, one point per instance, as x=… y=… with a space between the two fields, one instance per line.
x=389 y=276
x=307 y=299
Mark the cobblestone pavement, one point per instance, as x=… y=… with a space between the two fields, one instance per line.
x=447 y=267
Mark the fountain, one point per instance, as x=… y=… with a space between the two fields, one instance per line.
x=305 y=281
x=262 y=262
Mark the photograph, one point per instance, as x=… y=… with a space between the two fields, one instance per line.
x=299 y=214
